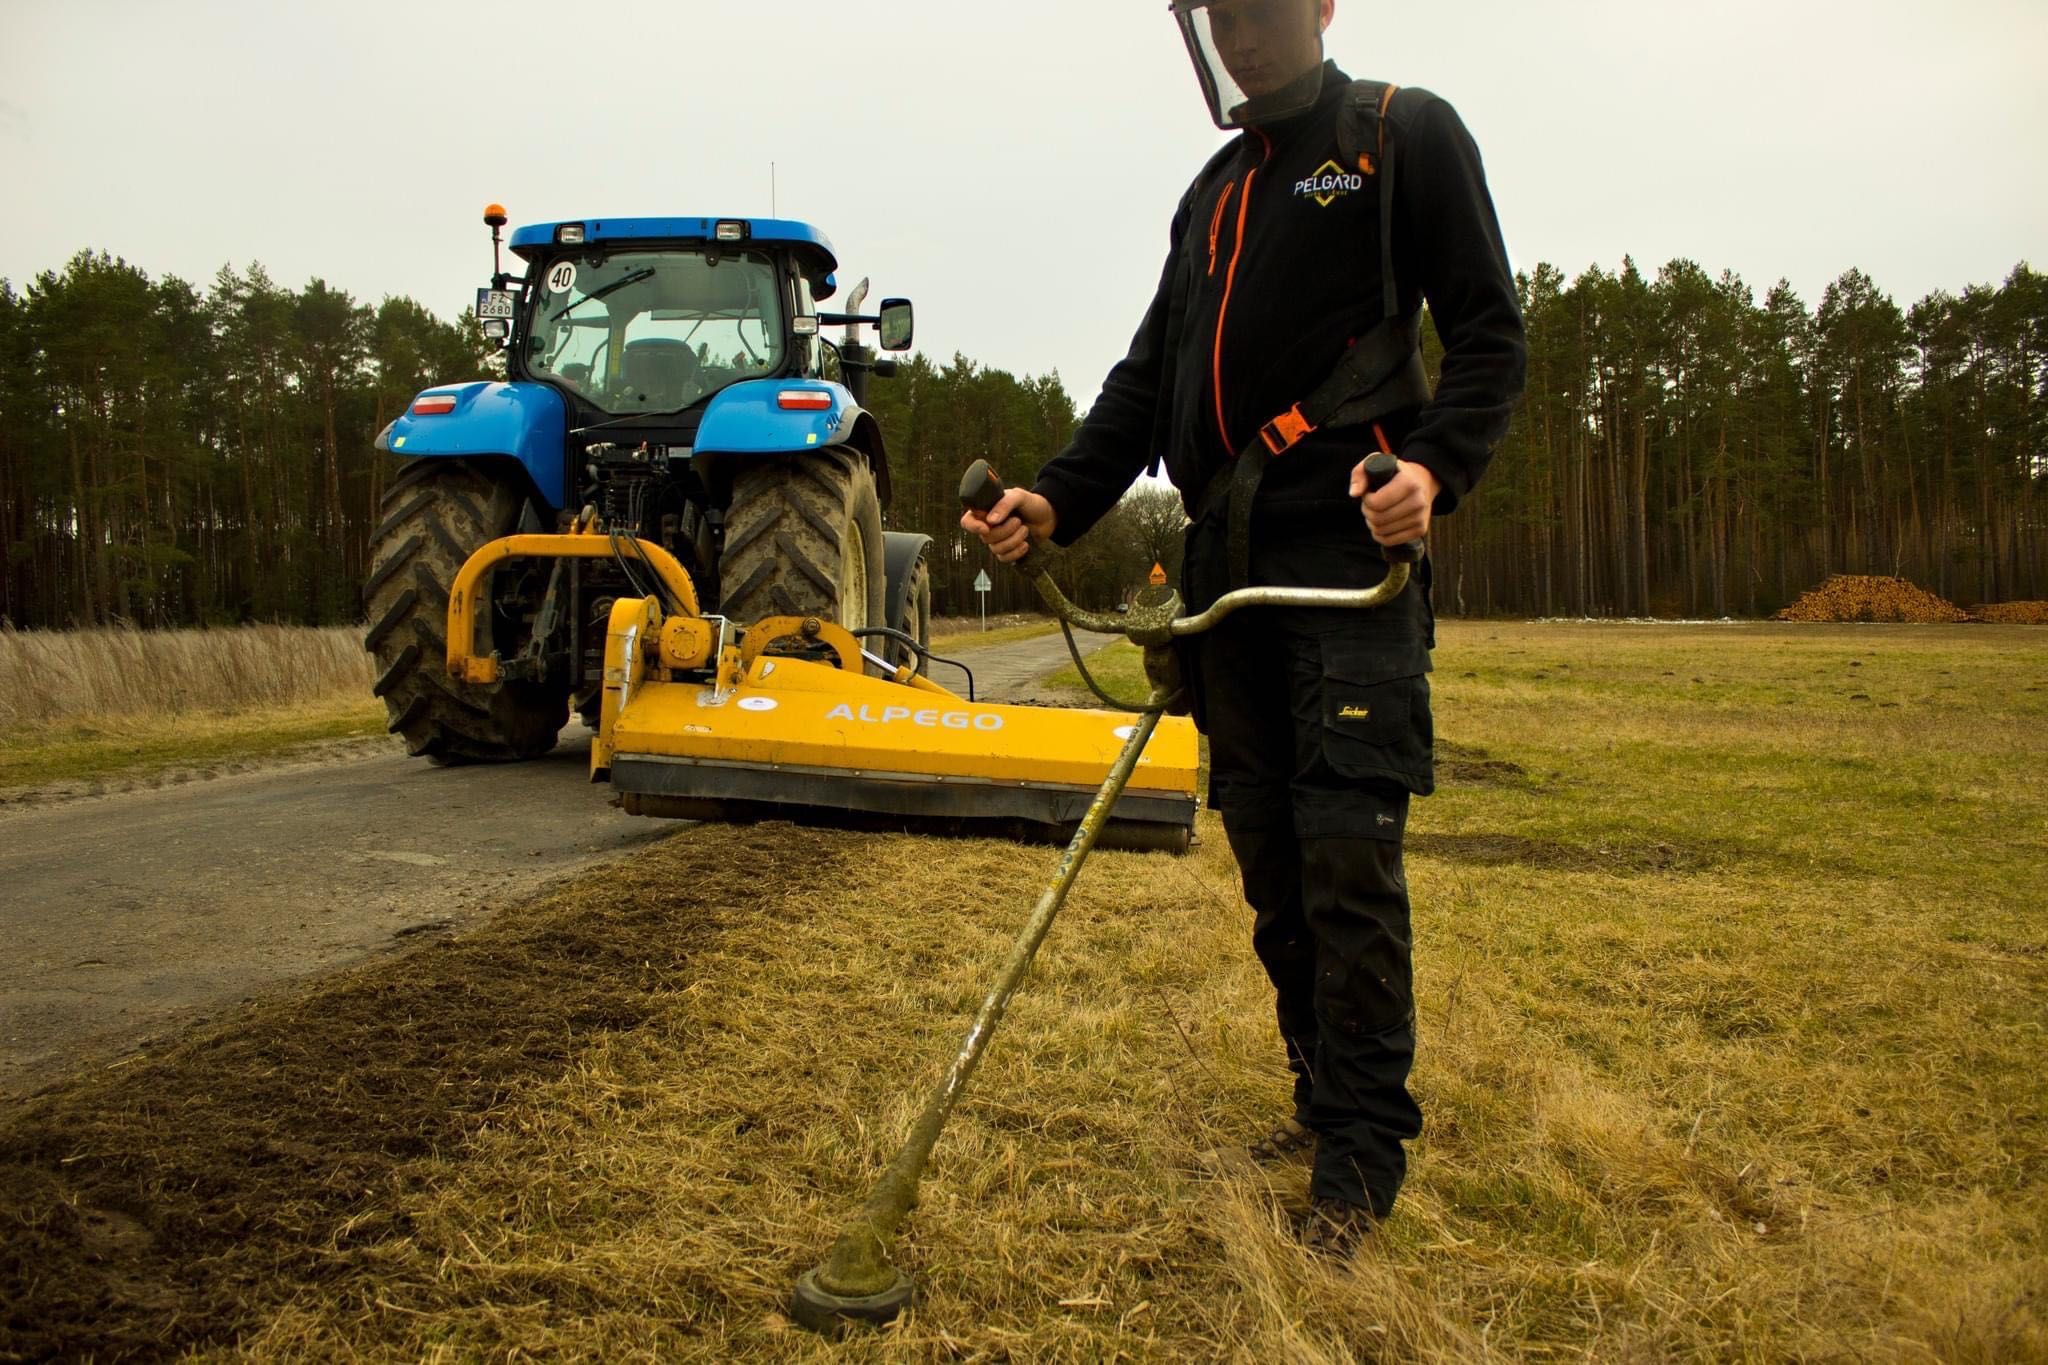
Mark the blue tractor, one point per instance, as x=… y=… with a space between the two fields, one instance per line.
x=669 y=383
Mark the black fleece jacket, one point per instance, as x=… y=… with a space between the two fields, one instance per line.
x=1287 y=265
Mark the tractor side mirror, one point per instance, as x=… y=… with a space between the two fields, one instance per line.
x=896 y=325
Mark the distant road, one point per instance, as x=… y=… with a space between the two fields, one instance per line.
x=1013 y=672
x=127 y=915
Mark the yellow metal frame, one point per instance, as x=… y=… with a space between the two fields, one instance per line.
x=771 y=630
x=464 y=600
x=632 y=645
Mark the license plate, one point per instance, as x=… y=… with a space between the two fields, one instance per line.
x=494 y=303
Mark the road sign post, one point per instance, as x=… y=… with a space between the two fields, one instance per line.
x=982 y=585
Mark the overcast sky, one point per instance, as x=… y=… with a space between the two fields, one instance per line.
x=1009 y=166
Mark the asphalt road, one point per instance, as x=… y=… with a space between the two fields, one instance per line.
x=126 y=917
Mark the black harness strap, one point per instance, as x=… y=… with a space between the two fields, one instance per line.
x=1362 y=121
x=1378 y=374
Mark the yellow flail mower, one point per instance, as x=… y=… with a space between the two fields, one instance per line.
x=789 y=717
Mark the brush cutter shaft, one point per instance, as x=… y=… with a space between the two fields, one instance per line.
x=858 y=1265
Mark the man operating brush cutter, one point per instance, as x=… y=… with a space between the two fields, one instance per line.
x=1281 y=349
x=857 y=1281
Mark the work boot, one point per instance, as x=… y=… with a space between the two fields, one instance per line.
x=1289 y=1143
x=1335 y=1229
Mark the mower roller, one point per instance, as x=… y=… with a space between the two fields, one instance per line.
x=856 y=1282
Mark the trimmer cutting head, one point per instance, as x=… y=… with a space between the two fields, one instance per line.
x=818 y=1309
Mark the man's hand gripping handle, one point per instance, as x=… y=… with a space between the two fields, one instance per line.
x=1380 y=470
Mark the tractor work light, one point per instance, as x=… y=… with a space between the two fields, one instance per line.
x=804 y=324
x=730 y=230
x=804 y=400
x=570 y=234
x=433 y=405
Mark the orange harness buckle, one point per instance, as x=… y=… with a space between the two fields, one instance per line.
x=1284 y=432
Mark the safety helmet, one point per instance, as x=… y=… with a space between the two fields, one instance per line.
x=1258 y=60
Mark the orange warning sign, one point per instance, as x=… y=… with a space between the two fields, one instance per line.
x=1158 y=575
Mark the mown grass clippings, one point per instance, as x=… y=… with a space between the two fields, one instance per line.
x=1733 y=1106
x=1468 y=763
x=172 y=1202
x=1621 y=856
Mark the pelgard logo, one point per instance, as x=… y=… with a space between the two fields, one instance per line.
x=1330 y=182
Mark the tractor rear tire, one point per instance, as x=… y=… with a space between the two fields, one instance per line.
x=916 y=620
x=438 y=512
x=803 y=537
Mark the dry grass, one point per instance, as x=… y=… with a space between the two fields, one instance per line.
x=1733 y=986
x=86 y=705
x=49 y=675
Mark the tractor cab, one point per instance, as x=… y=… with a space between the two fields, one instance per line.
x=639 y=320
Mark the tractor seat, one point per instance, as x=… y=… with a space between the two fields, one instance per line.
x=661 y=371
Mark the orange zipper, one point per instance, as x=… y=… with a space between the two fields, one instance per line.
x=1244 y=202
x=1216 y=222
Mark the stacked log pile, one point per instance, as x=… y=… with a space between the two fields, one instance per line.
x=1864 y=597
x=2014 y=613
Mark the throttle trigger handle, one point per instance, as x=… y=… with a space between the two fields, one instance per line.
x=1380 y=469
x=980 y=487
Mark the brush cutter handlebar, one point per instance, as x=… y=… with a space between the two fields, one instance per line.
x=1153 y=617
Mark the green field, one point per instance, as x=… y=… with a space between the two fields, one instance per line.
x=1733 y=977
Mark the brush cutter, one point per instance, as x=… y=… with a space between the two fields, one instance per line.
x=856 y=1282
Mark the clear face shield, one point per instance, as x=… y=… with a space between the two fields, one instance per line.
x=1257 y=60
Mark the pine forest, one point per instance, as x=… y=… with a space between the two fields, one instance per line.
x=171 y=455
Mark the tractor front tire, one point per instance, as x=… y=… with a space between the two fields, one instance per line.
x=437 y=513
x=803 y=537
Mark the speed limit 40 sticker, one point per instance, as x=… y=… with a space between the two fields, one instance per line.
x=561 y=276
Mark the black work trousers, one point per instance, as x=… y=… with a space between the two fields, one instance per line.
x=1319 y=733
